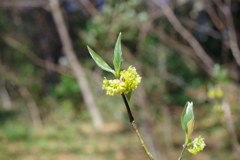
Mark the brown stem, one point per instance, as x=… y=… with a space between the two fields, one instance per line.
x=134 y=126
x=128 y=108
x=181 y=155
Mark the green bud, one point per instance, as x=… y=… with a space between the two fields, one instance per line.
x=187 y=120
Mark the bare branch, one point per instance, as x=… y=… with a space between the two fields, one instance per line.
x=186 y=35
x=22 y=3
x=89 y=6
x=180 y=48
x=33 y=109
x=200 y=28
x=32 y=106
x=75 y=65
x=225 y=8
x=6 y=100
x=42 y=63
x=230 y=126
x=214 y=17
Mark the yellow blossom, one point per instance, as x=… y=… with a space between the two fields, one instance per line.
x=129 y=80
x=215 y=92
x=218 y=93
x=196 y=145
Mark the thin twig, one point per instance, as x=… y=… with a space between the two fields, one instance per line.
x=128 y=108
x=181 y=155
x=134 y=126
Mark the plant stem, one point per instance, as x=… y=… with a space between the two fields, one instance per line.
x=134 y=126
x=184 y=148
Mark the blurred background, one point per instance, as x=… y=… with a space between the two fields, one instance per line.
x=52 y=106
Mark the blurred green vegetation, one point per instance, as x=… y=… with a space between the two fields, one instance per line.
x=170 y=77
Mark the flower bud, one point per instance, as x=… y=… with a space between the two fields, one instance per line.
x=187 y=120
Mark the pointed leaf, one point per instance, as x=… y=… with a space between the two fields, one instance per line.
x=117 y=59
x=100 y=62
x=186 y=117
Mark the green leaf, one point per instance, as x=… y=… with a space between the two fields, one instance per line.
x=187 y=119
x=128 y=95
x=117 y=59
x=100 y=62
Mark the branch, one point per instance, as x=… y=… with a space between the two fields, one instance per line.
x=231 y=29
x=75 y=65
x=32 y=106
x=89 y=6
x=186 y=35
x=201 y=28
x=180 y=48
x=230 y=126
x=181 y=155
x=23 y=3
x=6 y=100
x=134 y=126
x=42 y=63
x=33 y=109
x=214 y=17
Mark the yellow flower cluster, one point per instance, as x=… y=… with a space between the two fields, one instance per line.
x=215 y=92
x=197 y=145
x=129 y=80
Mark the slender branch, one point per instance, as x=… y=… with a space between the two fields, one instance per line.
x=32 y=106
x=181 y=155
x=207 y=61
x=32 y=56
x=214 y=17
x=128 y=108
x=75 y=64
x=225 y=8
x=89 y=6
x=230 y=126
x=22 y=3
x=6 y=100
x=134 y=126
x=200 y=28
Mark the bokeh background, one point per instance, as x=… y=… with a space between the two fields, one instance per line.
x=52 y=106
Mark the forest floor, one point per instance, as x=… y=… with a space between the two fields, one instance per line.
x=66 y=136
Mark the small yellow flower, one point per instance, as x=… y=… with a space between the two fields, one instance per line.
x=197 y=145
x=129 y=80
x=218 y=93
x=215 y=92
x=211 y=93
